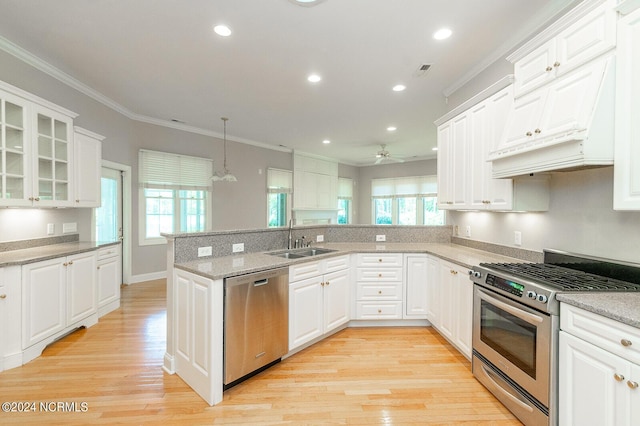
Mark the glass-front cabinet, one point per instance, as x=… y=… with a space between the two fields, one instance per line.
x=14 y=151
x=52 y=177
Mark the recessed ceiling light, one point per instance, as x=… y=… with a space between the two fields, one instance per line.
x=435 y=148
x=326 y=141
x=399 y=87
x=314 y=78
x=222 y=30
x=442 y=34
x=392 y=129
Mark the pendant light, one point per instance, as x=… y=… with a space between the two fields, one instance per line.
x=225 y=176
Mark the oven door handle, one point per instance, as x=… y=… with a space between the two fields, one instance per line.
x=502 y=386
x=525 y=316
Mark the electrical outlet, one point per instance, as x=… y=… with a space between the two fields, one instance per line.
x=319 y=238
x=456 y=230
x=205 y=251
x=238 y=248
x=69 y=227
x=51 y=228
x=467 y=231
x=381 y=237
x=517 y=238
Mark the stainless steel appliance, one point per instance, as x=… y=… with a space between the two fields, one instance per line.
x=256 y=322
x=516 y=321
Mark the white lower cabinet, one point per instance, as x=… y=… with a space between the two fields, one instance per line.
x=57 y=296
x=198 y=333
x=109 y=279
x=450 y=302
x=318 y=299
x=379 y=286
x=416 y=284
x=599 y=370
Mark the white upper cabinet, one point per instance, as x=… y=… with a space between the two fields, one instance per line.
x=14 y=151
x=465 y=175
x=592 y=35
x=88 y=163
x=626 y=183
x=315 y=183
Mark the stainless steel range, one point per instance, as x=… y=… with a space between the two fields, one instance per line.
x=516 y=321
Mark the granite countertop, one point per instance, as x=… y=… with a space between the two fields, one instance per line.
x=51 y=251
x=623 y=307
x=228 y=266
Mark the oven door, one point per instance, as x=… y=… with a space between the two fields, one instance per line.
x=515 y=339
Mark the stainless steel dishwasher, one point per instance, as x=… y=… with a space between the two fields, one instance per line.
x=256 y=322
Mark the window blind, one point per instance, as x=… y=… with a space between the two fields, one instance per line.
x=345 y=188
x=174 y=171
x=279 y=181
x=404 y=186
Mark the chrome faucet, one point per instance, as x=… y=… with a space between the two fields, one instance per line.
x=290 y=225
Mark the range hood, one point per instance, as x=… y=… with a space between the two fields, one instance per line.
x=565 y=125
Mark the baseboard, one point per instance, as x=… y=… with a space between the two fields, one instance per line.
x=148 y=277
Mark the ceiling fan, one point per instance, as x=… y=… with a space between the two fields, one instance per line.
x=383 y=154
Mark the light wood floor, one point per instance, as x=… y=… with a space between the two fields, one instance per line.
x=360 y=376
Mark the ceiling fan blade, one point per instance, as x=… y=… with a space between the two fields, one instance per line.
x=379 y=160
x=397 y=160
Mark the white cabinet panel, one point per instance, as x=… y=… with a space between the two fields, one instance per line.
x=15 y=167
x=81 y=286
x=417 y=281
x=336 y=300
x=305 y=311
x=109 y=279
x=88 y=165
x=626 y=182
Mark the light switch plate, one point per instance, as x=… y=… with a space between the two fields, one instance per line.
x=381 y=237
x=238 y=248
x=51 y=228
x=319 y=238
x=69 y=227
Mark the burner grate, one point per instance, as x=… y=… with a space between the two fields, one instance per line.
x=563 y=278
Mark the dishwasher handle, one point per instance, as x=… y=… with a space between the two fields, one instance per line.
x=263 y=281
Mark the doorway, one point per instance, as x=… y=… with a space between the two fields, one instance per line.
x=112 y=220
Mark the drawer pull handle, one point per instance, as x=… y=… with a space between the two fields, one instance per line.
x=618 y=377
x=625 y=342
x=632 y=385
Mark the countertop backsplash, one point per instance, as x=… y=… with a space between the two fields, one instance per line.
x=38 y=242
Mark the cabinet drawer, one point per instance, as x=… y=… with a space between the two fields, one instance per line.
x=305 y=270
x=379 y=291
x=379 y=274
x=379 y=259
x=337 y=263
x=108 y=252
x=610 y=335
x=378 y=310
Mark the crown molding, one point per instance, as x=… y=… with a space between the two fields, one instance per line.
x=48 y=69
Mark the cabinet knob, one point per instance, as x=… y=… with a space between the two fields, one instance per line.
x=619 y=377
x=37 y=198
x=537 y=131
x=77 y=201
x=379 y=275
x=556 y=64
x=529 y=134
x=379 y=260
x=65 y=264
x=71 y=262
x=379 y=311
x=379 y=291
x=625 y=342
x=3 y=296
x=322 y=284
x=327 y=283
x=97 y=267
x=632 y=385
x=549 y=69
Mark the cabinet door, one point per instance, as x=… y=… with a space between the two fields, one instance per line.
x=3 y=310
x=635 y=394
x=498 y=192
x=43 y=300
x=433 y=292
x=570 y=101
x=15 y=168
x=479 y=116
x=87 y=161
x=305 y=311
x=523 y=120
x=535 y=69
x=53 y=166
x=592 y=385
x=458 y=160
x=445 y=189
x=626 y=171
x=336 y=299
x=81 y=286
x=108 y=281
x=463 y=302
x=417 y=281
x=447 y=297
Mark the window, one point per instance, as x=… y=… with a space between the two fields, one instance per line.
x=405 y=201
x=345 y=199
x=175 y=194
x=279 y=188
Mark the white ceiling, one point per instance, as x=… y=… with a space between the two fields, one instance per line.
x=159 y=60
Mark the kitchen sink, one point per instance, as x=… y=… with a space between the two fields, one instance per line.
x=299 y=253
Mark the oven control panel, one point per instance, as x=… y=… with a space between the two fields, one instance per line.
x=505 y=285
